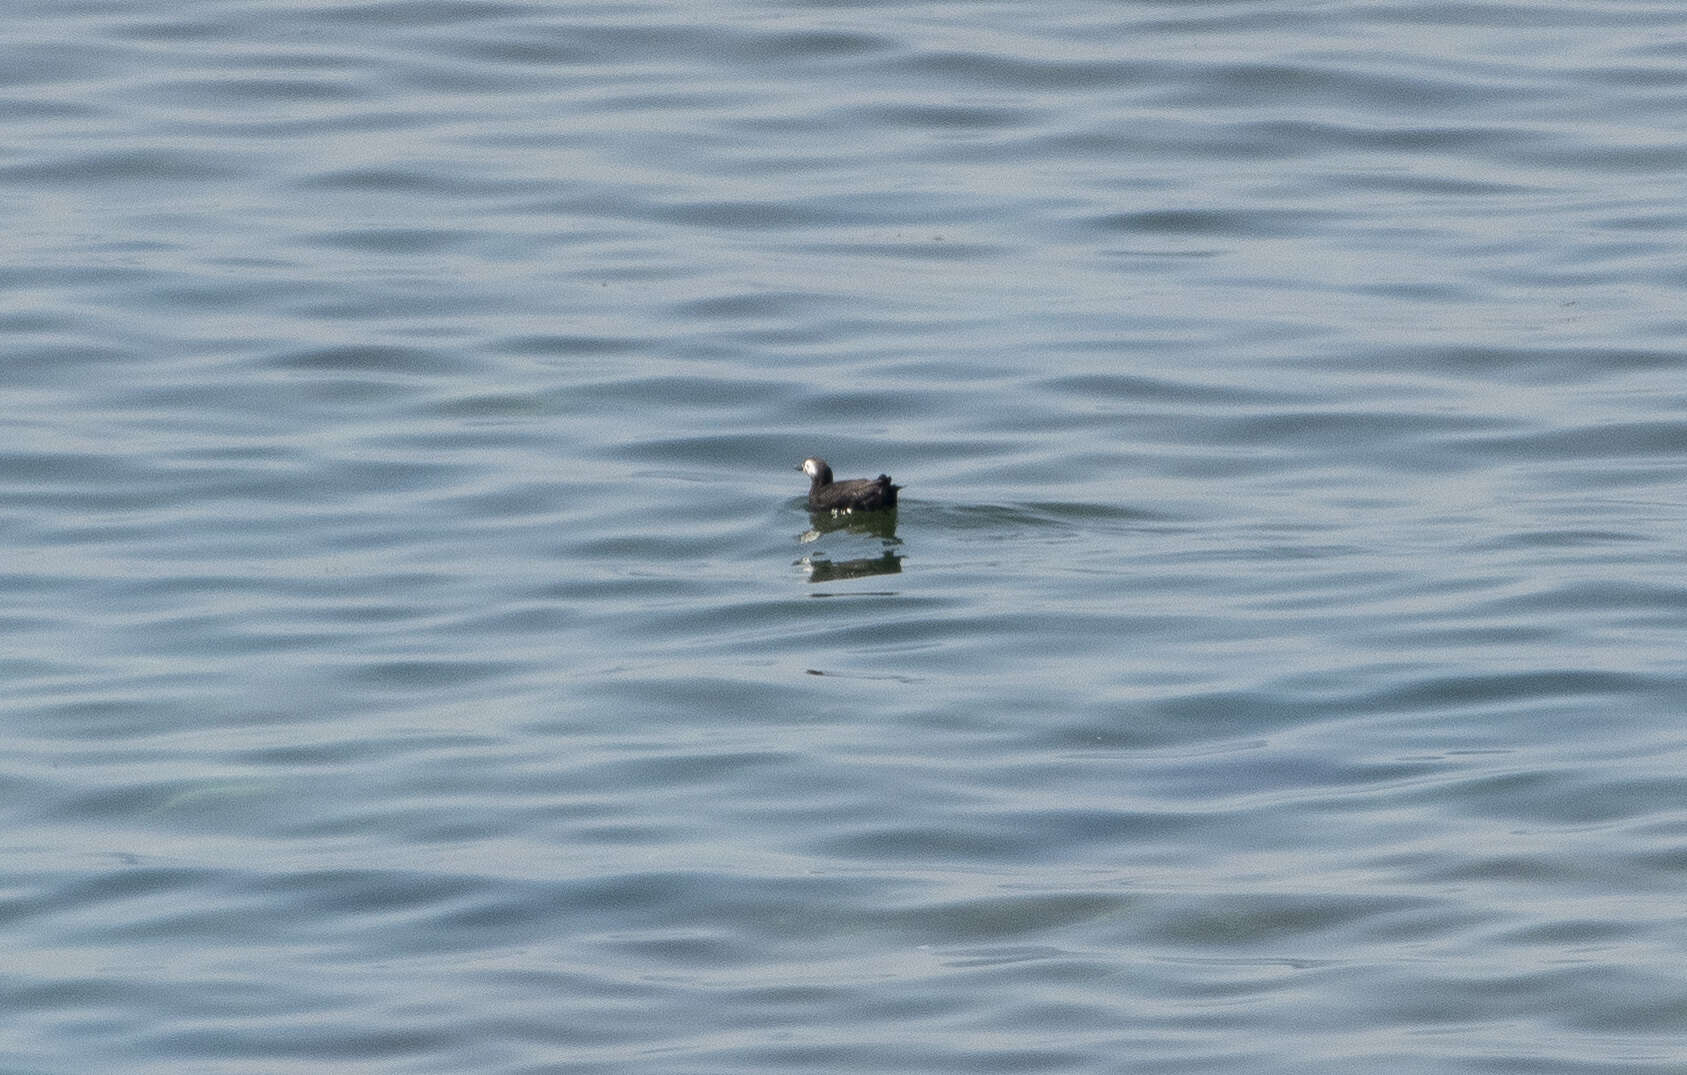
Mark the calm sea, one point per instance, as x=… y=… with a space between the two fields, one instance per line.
x=417 y=657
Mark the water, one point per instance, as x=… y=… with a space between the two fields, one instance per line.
x=417 y=657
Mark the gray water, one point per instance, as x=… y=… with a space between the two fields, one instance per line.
x=417 y=657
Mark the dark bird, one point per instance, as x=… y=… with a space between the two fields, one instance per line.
x=855 y=494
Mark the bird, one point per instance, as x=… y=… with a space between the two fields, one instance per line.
x=854 y=494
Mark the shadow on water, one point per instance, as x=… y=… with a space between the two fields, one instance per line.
x=872 y=524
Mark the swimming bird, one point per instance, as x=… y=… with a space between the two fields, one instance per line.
x=854 y=494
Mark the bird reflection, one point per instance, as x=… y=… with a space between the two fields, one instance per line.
x=821 y=569
x=879 y=524
x=872 y=524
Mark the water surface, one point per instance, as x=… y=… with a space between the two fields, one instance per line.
x=418 y=657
